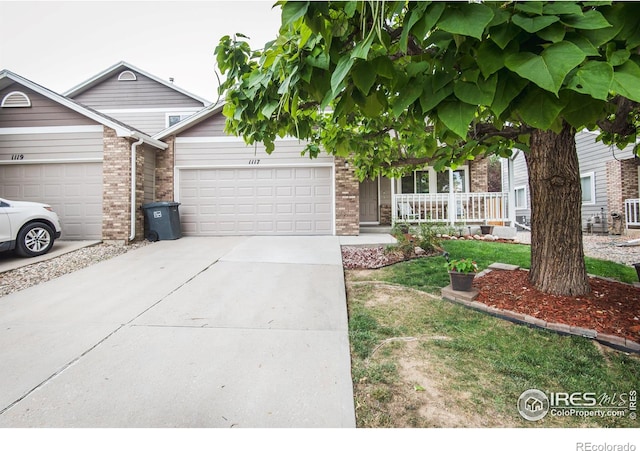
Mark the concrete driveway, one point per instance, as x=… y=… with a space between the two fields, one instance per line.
x=197 y=332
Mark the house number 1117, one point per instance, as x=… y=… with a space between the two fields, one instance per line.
x=254 y=161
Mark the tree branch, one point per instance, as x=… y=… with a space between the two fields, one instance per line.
x=484 y=131
x=620 y=124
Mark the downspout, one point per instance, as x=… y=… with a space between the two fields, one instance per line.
x=134 y=147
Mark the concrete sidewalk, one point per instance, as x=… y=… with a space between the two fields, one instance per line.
x=197 y=332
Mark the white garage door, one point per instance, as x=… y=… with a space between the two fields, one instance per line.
x=260 y=201
x=74 y=190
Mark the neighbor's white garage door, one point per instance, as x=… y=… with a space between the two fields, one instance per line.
x=74 y=190
x=256 y=201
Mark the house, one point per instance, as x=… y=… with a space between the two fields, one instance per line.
x=609 y=178
x=125 y=137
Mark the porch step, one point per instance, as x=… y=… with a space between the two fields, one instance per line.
x=375 y=229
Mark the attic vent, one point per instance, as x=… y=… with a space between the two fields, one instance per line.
x=16 y=99
x=127 y=75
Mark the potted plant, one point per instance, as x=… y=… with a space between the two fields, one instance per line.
x=462 y=273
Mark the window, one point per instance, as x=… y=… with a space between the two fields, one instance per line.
x=588 y=185
x=521 y=197
x=174 y=118
x=127 y=75
x=16 y=99
x=430 y=181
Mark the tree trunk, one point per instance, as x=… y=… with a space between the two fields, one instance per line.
x=557 y=255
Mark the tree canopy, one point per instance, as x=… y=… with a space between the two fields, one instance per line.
x=396 y=85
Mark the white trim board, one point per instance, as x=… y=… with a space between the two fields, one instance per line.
x=223 y=139
x=51 y=130
x=49 y=161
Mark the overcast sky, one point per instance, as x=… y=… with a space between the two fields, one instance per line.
x=61 y=44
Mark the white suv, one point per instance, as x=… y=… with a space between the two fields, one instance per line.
x=28 y=227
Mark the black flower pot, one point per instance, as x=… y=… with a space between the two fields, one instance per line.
x=461 y=281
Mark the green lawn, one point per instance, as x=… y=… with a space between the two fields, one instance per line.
x=484 y=363
x=430 y=274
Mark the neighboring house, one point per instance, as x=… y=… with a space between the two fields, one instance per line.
x=609 y=178
x=137 y=98
x=75 y=152
x=55 y=150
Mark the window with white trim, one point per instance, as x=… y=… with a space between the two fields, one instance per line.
x=174 y=118
x=521 y=197
x=588 y=185
x=430 y=181
x=16 y=99
x=127 y=75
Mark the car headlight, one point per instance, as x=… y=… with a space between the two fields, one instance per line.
x=49 y=208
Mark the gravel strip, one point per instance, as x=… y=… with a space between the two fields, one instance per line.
x=28 y=276
x=602 y=247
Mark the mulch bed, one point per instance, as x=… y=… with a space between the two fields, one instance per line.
x=611 y=308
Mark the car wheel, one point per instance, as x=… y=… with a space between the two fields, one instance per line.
x=34 y=239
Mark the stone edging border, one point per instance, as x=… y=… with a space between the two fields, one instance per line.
x=467 y=299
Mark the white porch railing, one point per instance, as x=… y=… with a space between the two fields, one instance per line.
x=451 y=208
x=632 y=212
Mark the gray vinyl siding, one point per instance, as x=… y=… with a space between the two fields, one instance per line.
x=43 y=112
x=238 y=153
x=150 y=123
x=213 y=126
x=52 y=146
x=141 y=93
x=592 y=158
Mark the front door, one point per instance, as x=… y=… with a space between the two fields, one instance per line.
x=369 y=201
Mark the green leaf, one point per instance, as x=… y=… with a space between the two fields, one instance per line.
x=407 y=96
x=590 y=20
x=414 y=16
x=555 y=8
x=457 y=116
x=549 y=69
x=467 y=19
x=383 y=67
x=625 y=81
x=342 y=69
x=363 y=77
x=269 y=108
x=618 y=57
x=431 y=97
x=508 y=88
x=504 y=34
x=530 y=7
x=361 y=50
x=580 y=110
x=533 y=24
x=553 y=33
x=374 y=105
x=480 y=93
x=539 y=108
x=583 y=44
x=292 y=11
x=490 y=58
x=594 y=79
x=422 y=28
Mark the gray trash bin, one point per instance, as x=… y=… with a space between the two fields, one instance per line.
x=162 y=221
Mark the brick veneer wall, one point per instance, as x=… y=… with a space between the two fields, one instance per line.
x=347 y=199
x=164 y=171
x=622 y=183
x=116 y=186
x=479 y=175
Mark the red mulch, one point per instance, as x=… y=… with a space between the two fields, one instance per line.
x=611 y=308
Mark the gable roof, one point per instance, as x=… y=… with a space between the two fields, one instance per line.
x=190 y=121
x=121 y=66
x=122 y=130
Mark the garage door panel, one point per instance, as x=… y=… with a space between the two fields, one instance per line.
x=74 y=190
x=296 y=200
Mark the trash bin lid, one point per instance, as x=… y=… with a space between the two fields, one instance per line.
x=160 y=204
